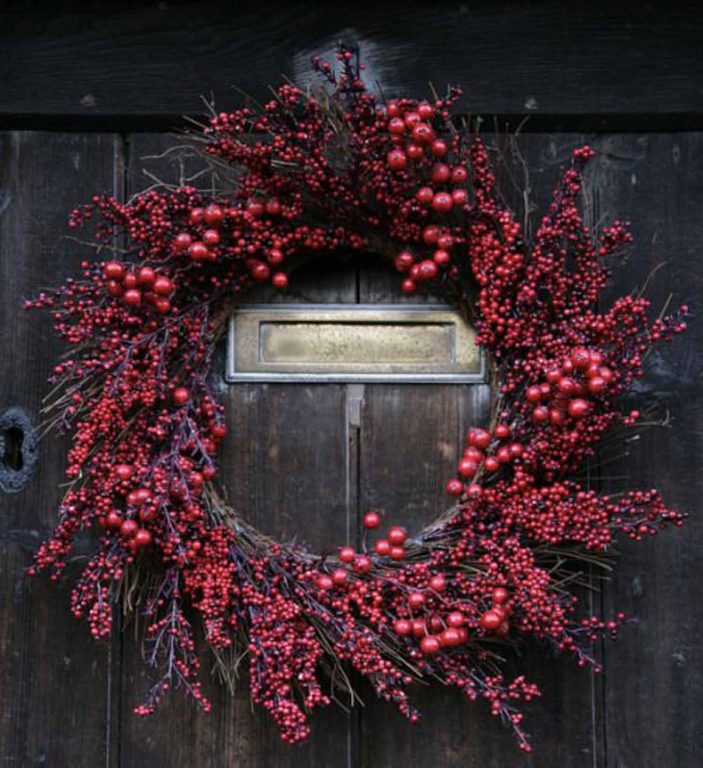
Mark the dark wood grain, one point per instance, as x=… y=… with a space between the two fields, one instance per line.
x=512 y=58
x=654 y=676
x=286 y=467
x=57 y=696
x=293 y=466
x=178 y=733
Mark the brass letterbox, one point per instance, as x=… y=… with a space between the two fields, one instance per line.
x=352 y=342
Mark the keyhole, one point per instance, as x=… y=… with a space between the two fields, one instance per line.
x=12 y=456
x=18 y=450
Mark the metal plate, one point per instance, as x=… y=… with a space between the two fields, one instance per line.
x=352 y=342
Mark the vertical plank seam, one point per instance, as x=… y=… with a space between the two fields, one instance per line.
x=598 y=682
x=119 y=693
x=355 y=729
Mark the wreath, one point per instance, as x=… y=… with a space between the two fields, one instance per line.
x=310 y=173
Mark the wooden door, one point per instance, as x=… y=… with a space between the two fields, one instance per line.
x=301 y=459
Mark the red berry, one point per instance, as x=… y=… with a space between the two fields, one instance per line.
x=419 y=627
x=440 y=173
x=162 y=286
x=430 y=234
x=565 y=385
x=397 y=553
x=211 y=237
x=491 y=464
x=411 y=119
x=501 y=431
x=473 y=453
x=259 y=271
x=255 y=209
x=459 y=175
x=429 y=645
x=408 y=286
x=425 y=111
x=162 y=305
x=114 y=270
x=347 y=554
x=479 y=438
x=454 y=487
x=132 y=297
x=459 y=197
x=402 y=627
x=596 y=385
x=516 y=450
x=142 y=538
x=438 y=148
x=416 y=599
x=556 y=417
x=397 y=159
x=198 y=251
x=114 y=288
x=340 y=576
x=197 y=215
x=323 y=581
x=450 y=637
x=372 y=519
x=438 y=582
x=396 y=126
x=404 y=260
x=214 y=215
x=274 y=256
x=181 y=396
x=490 y=620
x=113 y=520
x=425 y=196
x=456 y=619
x=441 y=256
x=183 y=241
x=503 y=454
x=362 y=564
x=442 y=202
x=393 y=109
x=428 y=270
x=273 y=207
x=500 y=595
x=279 y=280
x=383 y=548
x=124 y=471
x=540 y=413
x=129 y=528
x=397 y=535
x=581 y=358
x=578 y=408
x=422 y=133
x=474 y=490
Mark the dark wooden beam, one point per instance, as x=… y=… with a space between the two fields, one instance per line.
x=151 y=63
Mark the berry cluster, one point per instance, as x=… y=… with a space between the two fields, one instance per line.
x=314 y=173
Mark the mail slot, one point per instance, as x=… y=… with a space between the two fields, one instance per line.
x=361 y=342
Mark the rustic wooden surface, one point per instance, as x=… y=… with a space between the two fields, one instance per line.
x=294 y=464
x=540 y=58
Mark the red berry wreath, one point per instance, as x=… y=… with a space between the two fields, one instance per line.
x=312 y=173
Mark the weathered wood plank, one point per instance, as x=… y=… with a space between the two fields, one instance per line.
x=285 y=468
x=430 y=424
x=606 y=58
x=57 y=694
x=654 y=677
